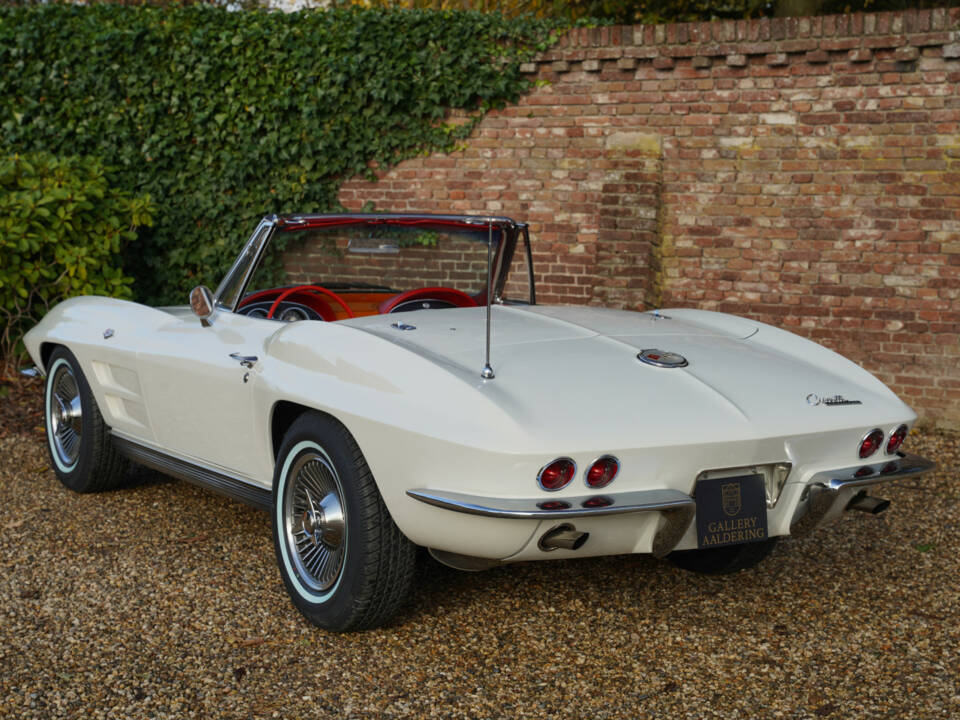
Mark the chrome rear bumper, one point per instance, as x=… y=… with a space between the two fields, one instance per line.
x=675 y=507
x=828 y=494
x=541 y=509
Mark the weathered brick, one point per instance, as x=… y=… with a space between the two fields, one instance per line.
x=860 y=55
x=776 y=59
x=931 y=39
x=736 y=60
x=700 y=62
x=778 y=118
x=796 y=46
x=906 y=54
x=759 y=48
x=886 y=41
x=663 y=63
x=817 y=56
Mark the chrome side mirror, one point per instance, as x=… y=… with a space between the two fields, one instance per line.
x=201 y=302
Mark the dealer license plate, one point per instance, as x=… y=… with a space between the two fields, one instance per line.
x=730 y=511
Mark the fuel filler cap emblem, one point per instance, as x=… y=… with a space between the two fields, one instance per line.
x=662 y=358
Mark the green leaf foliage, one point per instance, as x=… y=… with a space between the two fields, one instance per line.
x=63 y=228
x=593 y=12
x=223 y=117
x=652 y=12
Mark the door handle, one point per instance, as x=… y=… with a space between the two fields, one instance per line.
x=246 y=360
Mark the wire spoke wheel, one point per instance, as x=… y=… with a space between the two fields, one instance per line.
x=343 y=560
x=65 y=415
x=315 y=523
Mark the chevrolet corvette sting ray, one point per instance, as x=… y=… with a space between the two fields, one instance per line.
x=382 y=382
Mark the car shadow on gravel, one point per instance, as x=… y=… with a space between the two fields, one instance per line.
x=654 y=583
x=139 y=476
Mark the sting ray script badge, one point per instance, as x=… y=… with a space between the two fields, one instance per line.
x=814 y=399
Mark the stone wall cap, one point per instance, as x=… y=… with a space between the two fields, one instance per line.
x=772 y=33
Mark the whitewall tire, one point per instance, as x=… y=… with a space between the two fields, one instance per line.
x=344 y=562
x=78 y=440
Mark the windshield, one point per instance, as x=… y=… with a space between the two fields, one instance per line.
x=332 y=267
x=390 y=257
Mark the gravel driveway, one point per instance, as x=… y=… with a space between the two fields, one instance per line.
x=164 y=601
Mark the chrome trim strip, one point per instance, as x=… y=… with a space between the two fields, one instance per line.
x=347 y=218
x=526 y=508
x=526 y=241
x=261 y=235
x=906 y=466
x=232 y=487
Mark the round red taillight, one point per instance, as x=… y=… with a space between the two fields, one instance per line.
x=557 y=475
x=871 y=443
x=602 y=472
x=896 y=439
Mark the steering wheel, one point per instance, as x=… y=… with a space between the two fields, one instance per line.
x=313 y=288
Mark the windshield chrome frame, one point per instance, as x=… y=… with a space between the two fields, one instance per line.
x=525 y=231
x=511 y=233
x=261 y=235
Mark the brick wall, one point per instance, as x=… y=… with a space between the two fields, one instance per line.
x=804 y=172
x=323 y=257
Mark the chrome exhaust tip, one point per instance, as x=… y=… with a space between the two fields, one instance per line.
x=564 y=536
x=868 y=504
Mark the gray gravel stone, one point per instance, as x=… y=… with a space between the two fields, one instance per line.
x=163 y=601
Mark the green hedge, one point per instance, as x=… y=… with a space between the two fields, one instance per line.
x=62 y=230
x=223 y=117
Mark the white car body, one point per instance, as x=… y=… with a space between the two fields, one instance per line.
x=456 y=456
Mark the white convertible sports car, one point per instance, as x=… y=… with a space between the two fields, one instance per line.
x=401 y=387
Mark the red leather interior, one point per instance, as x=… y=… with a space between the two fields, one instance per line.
x=454 y=297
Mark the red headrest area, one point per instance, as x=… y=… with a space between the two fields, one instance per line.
x=454 y=297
